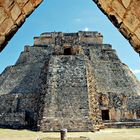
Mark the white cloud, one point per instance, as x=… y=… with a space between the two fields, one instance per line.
x=136 y=71
x=86 y=29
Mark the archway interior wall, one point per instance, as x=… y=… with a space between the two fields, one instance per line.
x=12 y=15
x=124 y=14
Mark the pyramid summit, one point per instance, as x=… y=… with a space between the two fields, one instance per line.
x=68 y=80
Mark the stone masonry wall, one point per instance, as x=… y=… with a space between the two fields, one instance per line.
x=117 y=87
x=20 y=88
x=124 y=14
x=12 y=15
x=66 y=103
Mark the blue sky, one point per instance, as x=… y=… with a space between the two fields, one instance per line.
x=69 y=16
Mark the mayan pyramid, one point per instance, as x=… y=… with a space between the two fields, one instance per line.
x=68 y=80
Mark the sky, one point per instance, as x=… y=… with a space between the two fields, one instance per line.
x=69 y=16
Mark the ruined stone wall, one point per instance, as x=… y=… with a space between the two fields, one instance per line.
x=12 y=15
x=117 y=87
x=68 y=39
x=124 y=14
x=20 y=89
x=18 y=110
x=111 y=73
x=14 y=120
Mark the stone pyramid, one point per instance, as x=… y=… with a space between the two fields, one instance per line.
x=68 y=80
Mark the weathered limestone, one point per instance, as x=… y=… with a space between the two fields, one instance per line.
x=12 y=15
x=124 y=14
x=68 y=80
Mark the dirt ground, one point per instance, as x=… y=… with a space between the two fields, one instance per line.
x=106 y=134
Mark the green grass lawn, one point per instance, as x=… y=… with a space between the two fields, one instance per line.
x=106 y=134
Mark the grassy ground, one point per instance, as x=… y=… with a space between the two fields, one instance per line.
x=78 y=138
x=107 y=134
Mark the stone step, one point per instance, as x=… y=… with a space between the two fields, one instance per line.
x=130 y=124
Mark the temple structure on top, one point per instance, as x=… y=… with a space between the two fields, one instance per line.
x=69 y=80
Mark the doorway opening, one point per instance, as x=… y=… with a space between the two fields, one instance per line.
x=67 y=51
x=105 y=115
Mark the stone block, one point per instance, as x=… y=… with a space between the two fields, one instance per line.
x=36 y=2
x=135 y=41
x=3 y=15
x=137 y=32
x=6 y=26
x=20 y=19
x=6 y=3
x=131 y=21
x=28 y=8
x=15 y=12
x=2 y=39
x=105 y=5
x=134 y=7
x=115 y=18
x=118 y=7
x=126 y=3
x=125 y=31
x=22 y=2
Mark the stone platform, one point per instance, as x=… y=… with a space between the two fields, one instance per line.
x=128 y=124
